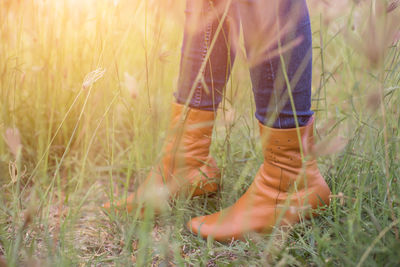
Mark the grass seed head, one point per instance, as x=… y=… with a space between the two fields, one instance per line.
x=329 y=146
x=12 y=138
x=131 y=85
x=375 y=32
x=92 y=77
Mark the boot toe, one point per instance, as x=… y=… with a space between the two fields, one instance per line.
x=195 y=226
x=208 y=226
x=106 y=206
x=120 y=205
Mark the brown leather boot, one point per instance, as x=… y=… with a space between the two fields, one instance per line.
x=282 y=190
x=186 y=167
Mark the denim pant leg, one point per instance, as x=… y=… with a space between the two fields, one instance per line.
x=259 y=21
x=202 y=20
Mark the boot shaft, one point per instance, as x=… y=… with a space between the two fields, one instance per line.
x=189 y=137
x=288 y=156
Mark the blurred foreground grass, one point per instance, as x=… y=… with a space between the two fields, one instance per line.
x=85 y=89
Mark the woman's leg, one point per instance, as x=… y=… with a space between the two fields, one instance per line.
x=274 y=26
x=186 y=168
x=288 y=185
x=202 y=20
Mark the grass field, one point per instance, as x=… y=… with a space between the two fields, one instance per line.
x=85 y=89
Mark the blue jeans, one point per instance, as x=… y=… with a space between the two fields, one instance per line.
x=277 y=38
